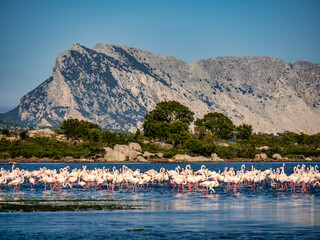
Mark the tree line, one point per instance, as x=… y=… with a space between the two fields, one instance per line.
x=168 y=122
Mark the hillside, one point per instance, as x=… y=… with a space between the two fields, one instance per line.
x=115 y=86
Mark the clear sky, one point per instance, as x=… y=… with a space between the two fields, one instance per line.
x=34 y=32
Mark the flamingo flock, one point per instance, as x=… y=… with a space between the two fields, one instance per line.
x=302 y=179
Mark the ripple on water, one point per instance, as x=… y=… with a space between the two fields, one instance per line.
x=155 y=212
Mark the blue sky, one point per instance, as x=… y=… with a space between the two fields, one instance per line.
x=33 y=32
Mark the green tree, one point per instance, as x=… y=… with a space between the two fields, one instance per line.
x=113 y=138
x=95 y=135
x=243 y=131
x=75 y=129
x=218 y=124
x=195 y=146
x=170 y=111
x=169 y=122
x=206 y=136
x=6 y=132
x=24 y=135
x=178 y=132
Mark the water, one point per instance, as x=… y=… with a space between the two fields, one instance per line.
x=157 y=213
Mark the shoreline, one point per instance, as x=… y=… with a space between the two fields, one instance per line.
x=159 y=160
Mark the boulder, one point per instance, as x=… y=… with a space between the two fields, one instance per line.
x=116 y=156
x=223 y=144
x=160 y=155
x=182 y=157
x=42 y=133
x=308 y=159
x=141 y=159
x=261 y=156
x=147 y=154
x=276 y=156
x=126 y=151
x=133 y=155
x=12 y=139
x=200 y=159
x=163 y=145
x=61 y=137
x=135 y=146
x=108 y=152
x=263 y=148
x=215 y=158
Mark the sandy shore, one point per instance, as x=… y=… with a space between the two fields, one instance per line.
x=160 y=160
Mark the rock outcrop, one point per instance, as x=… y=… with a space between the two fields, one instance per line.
x=215 y=158
x=42 y=133
x=261 y=156
x=115 y=86
x=182 y=157
x=186 y=158
x=277 y=156
x=122 y=152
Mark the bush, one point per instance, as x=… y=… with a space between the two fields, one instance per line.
x=195 y=146
x=49 y=147
x=113 y=138
x=218 y=124
x=6 y=132
x=24 y=135
x=172 y=153
x=243 y=131
x=4 y=155
x=75 y=129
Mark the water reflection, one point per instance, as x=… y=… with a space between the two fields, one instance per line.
x=266 y=213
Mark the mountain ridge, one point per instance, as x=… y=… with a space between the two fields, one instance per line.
x=115 y=86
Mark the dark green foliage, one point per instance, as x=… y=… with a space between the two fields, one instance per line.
x=113 y=138
x=172 y=129
x=203 y=134
x=5 y=132
x=49 y=147
x=24 y=135
x=178 y=132
x=170 y=111
x=218 y=124
x=243 y=131
x=168 y=122
x=173 y=152
x=95 y=135
x=157 y=130
x=75 y=129
x=195 y=146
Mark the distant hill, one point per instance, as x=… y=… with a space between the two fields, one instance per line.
x=5 y=109
x=10 y=126
x=115 y=86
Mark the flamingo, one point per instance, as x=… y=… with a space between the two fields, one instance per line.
x=178 y=180
x=16 y=182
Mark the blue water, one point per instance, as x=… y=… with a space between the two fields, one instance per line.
x=158 y=213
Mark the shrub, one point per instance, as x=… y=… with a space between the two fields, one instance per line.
x=195 y=146
x=6 y=132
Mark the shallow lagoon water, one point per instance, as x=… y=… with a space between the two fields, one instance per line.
x=155 y=212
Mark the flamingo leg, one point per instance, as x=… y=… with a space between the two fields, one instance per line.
x=174 y=188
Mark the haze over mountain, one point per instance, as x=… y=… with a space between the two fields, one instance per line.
x=115 y=86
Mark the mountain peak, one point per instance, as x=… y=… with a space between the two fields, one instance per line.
x=77 y=47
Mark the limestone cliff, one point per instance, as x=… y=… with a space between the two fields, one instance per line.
x=115 y=86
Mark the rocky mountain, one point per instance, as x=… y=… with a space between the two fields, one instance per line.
x=115 y=86
x=10 y=126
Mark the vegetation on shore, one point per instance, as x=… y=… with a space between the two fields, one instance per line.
x=169 y=123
